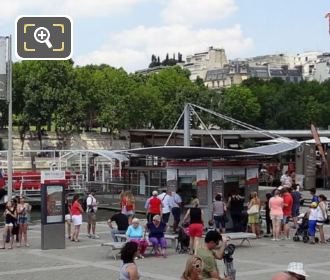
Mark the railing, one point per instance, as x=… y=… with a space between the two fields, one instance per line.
x=117 y=188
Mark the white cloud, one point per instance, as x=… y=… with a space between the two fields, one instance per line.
x=133 y=48
x=10 y=9
x=197 y=11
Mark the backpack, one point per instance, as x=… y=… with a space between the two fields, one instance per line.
x=84 y=204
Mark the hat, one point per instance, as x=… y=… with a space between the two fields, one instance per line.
x=314 y=204
x=297 y=268
x=154 y=193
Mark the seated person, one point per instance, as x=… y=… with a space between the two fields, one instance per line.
x=156 y=235
x=194 y=267
x=211 y=226
x=121 y=221
x=135 y=234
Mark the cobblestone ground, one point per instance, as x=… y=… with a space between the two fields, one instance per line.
x=88 y=260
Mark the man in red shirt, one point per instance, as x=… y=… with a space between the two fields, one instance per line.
x=153 y=206
x=287 y=210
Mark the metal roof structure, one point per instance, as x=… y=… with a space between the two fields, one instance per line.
x=182 y=152
x=271 y=150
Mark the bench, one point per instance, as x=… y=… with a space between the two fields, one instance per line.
x=243 y=236
x=172 y=237
x=114 y=249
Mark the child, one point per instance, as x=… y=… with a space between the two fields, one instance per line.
x=211 y=226
x=312 y=219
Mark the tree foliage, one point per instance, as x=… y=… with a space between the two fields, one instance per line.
x=67 y=97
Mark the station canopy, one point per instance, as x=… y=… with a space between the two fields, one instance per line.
x=183 y=152
x=271 y=150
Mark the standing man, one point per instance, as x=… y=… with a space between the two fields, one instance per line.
x=121 y=221
x=296 y=197
x=153 y=206
x=209 y=253
x=166 y=199
x=287 y=211
x=91 y=215
x=176 y=204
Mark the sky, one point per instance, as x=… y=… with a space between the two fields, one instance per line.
x=125 y=33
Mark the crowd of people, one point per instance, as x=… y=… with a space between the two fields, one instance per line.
x=281 y=207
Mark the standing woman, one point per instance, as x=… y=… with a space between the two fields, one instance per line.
x=10 y=219
x=67 y=212
x=254 y=214
x=195 y=214
x=322 y=215
x=76 y=211
x=128 y=269
x=219 y=210
x=22 y=213
x=276 y=214
x=128 y=206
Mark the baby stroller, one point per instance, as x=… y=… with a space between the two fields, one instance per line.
x=302 y=229
x=183 y=240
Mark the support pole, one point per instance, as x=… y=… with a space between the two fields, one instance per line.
x=10 y=124
x=186 y=135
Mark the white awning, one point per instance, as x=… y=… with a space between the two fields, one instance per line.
x=275 y=148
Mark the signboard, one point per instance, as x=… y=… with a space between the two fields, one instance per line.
x=52 y=176
x=54 y=204
x=3 y=68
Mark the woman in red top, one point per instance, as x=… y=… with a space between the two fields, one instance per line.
x=76 y=211
x=154 y=206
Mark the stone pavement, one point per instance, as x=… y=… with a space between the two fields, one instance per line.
x=87 y=260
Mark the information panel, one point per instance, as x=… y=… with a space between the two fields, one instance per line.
x=52 y=204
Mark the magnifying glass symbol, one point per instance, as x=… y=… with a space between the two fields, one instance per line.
x=41 y=35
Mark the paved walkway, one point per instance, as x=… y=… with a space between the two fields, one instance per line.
x=87 y=260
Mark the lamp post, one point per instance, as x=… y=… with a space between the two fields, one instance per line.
x=6 y=78
x=10 y=123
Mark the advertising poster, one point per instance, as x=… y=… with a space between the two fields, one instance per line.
x=54 y=204
x=202 y=182
x=172 y=179
x=251 y=176
x=217 y=181
x=3 y=68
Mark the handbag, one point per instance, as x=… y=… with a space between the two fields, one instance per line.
x=254 y=209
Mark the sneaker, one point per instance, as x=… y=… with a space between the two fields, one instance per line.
x=95 y=236
x=274 y=239
x=287 y=238
x=89 y=235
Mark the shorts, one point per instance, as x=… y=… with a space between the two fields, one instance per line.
x=319 y=223
x=285 y=220
x=311 y=227
x=254 y=218
x=295 y=212
x=68 y=217
x=9 y=225
x=195 y=230
x=91 y=218
x=77 y=220
x=220 y=221
x=22 y=220
x=276 y=217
